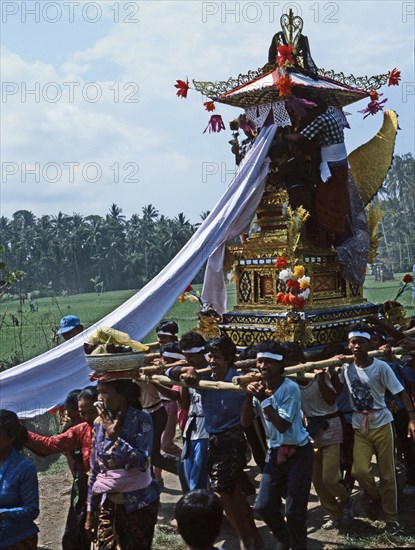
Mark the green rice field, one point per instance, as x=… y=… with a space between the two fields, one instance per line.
x=25 y=334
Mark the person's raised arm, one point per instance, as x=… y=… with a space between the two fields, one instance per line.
x=60 y=443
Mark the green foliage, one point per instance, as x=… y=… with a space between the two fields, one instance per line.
x=79 y=254
x=378 y=292
x=397 y=201
x=8 y=277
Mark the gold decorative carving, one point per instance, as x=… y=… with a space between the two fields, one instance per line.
x=208 y=326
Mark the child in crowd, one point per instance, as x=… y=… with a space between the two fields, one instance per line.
x=195 y=436
x=169 y=398
x=199 y=516
x=288 y=465
x=367 y=379
x=227 y=445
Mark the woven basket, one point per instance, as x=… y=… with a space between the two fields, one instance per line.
x=115 y=362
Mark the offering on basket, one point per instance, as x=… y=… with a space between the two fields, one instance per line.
x=110 y=350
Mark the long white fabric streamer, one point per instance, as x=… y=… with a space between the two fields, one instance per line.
x=42 y=383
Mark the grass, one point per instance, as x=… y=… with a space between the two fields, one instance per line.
x=24 y=335
x=377 y=292
x=166 y=538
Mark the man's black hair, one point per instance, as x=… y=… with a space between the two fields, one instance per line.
x=168 y=326
x=14 y=430
x=71 y=400
x=293 y=353
x=248 y=353
x=199 y=516
x=129 y=390
x=90 y=392
x=171 y=347
x=383 y=335
x=223 y=344
x=191 y=339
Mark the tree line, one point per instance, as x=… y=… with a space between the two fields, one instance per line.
x=397 y=200
x=75 y=254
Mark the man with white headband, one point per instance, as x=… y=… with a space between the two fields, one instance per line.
x=367 y=379
x=226 y=458
x=167 y=332
x=288 y=465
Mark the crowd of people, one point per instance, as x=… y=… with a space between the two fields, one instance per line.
x=121 y=435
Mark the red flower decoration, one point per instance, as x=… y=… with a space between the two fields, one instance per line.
x=215 y=124
x=284 y=84
x=182 y=88
x=280 y=296
x=291 y=299
x=293 y=285
x=209 y=106
x=373 y=107
x=189 y=288
x=285 y=56
x=374 y=96
x=394 y=77
x=408 y=278
x=299 y=302
x=280 y=263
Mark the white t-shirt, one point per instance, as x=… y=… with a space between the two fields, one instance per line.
x=367 y=392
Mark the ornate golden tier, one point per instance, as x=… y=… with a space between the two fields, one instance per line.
x=333 y=305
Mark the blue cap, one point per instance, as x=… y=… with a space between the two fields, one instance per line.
x=68 y=323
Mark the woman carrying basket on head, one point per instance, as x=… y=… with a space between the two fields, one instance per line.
x=122 y=496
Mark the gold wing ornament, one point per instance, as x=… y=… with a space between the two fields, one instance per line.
x=371 y=161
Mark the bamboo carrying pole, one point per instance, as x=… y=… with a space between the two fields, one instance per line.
x=302 y=370
x=334 y=362
x=204 y=384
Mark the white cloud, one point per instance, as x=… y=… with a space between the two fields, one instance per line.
x=161 y=133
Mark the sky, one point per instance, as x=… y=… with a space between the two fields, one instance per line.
x=89 y=112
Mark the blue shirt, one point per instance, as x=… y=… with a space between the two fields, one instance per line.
x=286 y=400
x=19 y=499
x=222 y=408
x=406 y=375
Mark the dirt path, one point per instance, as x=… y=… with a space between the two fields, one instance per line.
x=54 y=505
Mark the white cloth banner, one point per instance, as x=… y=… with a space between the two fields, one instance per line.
x=42 y=383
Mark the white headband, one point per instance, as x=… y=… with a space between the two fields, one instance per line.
x=359 y=334
x=270 y=355
x=193 y=350
x=173 y=355
x=163 y=333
